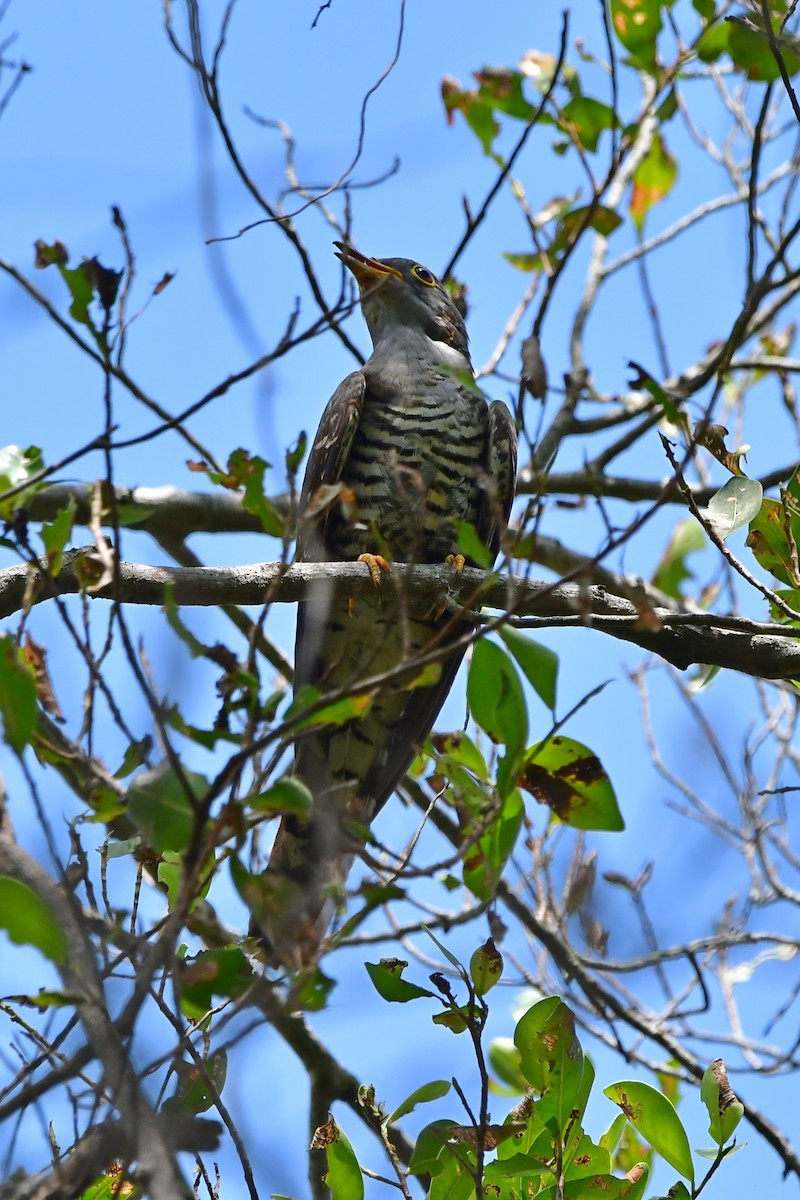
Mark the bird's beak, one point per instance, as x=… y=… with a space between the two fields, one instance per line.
x=369 y=272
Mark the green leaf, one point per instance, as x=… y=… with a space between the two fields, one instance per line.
x=656 y=1120
x=344 y=1176
x=246 y=472
x=485 y=860
x=160 y=808
x=713 y=42
x=586 y=118
x=432 y=1150
x=687 y=537
x=29 y=922
x=16 y=466
x=770 y=542
x=524 y=262
x=457 y=748
x=539 y=664
x=111 y=1187
x=637 y=24
x=457 y=1020
x=485 y=967
x=17 y=695
x=311 y=992
x=505 y=1059
x=56 y=535
x=471 y=545
x=653 y=179
x=198 y=1087
x=495 y=696
x=570 y=779
x=169 y=873
x=551 y=1058
x=422 y=1095
x=612 y=1135
x=451 y=958
x=499 y=90
x=287 y=795
x=750 y=51
x=603 y=220
x=79 y=283
x=643 y=381
x=724 y=1109
x=224 y=972
x=773 y=538
x=734 y=505
x=587 y=1160
x=337 y=713
x=387 y=978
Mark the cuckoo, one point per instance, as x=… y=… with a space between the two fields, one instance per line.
x=407 y=451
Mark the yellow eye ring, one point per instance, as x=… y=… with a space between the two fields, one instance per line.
x=424 y=275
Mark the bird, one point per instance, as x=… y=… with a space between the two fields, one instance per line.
x=407 y=449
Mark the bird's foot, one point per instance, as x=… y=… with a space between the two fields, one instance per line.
x=376 y=564
x=457 y=562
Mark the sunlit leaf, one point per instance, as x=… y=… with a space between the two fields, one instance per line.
x=344 y=1176
x=387 y=978
x=539 y=663
x=587 y=118
x=725 y=1110
x=485 y=860
x=495 y=695
x=656 y=1120
x=551 y=1058
x=485 y=967
x=750 y=50
x=569 y=778
x=637 y=24
x=17 y=695
x=28 y=921
x=421 y=1095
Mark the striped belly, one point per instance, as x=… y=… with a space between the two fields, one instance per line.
x=415 y=472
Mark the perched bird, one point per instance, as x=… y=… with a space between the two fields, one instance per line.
x=407 y=449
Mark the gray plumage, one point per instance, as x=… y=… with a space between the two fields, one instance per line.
x=406 y=449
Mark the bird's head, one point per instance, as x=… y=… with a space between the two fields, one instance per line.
x=401 y=297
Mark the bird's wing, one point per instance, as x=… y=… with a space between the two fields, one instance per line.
x=330 y=451
x=501 y=476
x=326 y=462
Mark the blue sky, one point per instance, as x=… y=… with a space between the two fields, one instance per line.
x=110 y=115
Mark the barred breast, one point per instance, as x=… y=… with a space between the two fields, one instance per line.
x=415 y=469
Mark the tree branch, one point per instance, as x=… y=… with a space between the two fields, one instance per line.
x=762 y=649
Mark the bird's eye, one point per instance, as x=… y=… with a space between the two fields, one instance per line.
x=424 y=275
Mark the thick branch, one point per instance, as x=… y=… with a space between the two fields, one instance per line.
x=764 y=650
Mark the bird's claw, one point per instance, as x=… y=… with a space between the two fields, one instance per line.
x=376 y=564
x=457 y=562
